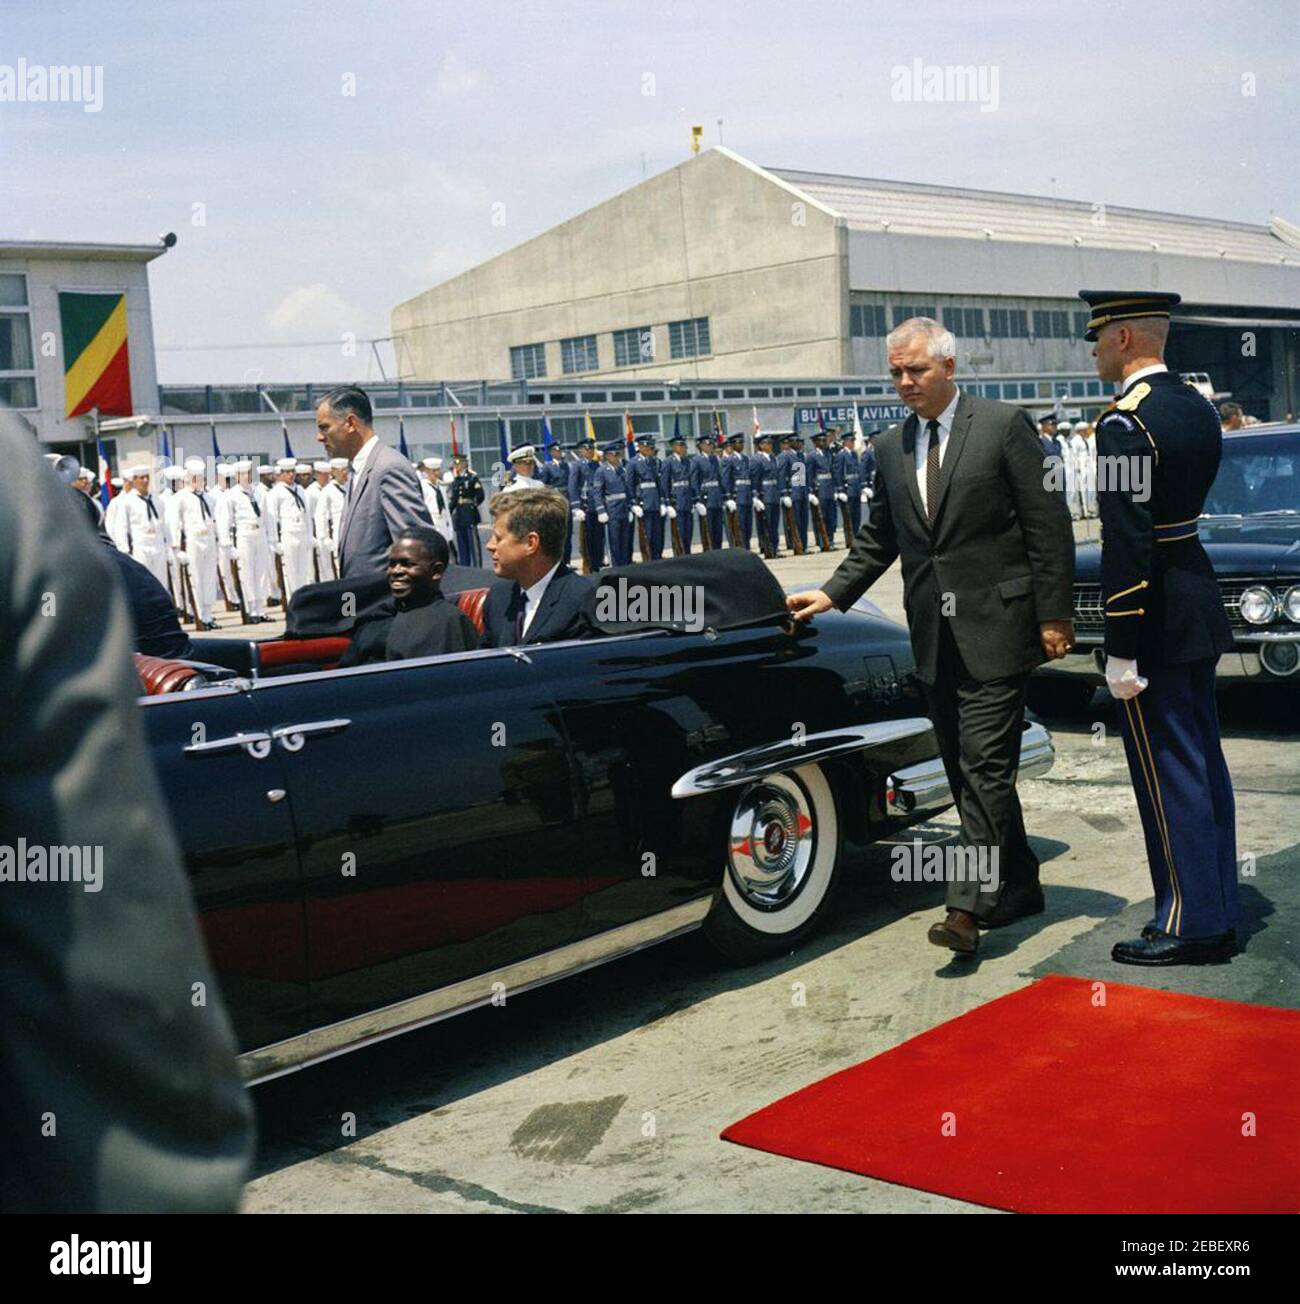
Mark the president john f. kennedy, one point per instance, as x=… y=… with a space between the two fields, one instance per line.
x=988 y=566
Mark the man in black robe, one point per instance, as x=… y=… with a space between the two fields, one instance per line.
x=425 y=624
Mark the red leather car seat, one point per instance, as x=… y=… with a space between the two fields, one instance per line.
x=471 y=603
x=323 y=652
x=162 y=675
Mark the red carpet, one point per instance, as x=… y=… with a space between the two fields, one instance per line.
x=1061 y=1105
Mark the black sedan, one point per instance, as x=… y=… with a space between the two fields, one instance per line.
x=1251 y=532
x=375 y=848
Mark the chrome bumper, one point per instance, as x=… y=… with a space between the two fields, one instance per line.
x=922 y=788
x=1241 y=665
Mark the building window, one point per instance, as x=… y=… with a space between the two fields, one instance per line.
x=689 y=339
x=903 y=311
x=633 y=347
x=1080 y=324
x=578 y=354
x=867 y=321
x=528 y=361
x=965 y=323
x=17 y=361
x=1008 y=324
x=1051 y=324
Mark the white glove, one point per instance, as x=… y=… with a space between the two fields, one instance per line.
x=183 y=558
x=334 y=547
x=227 y=551
x=278 y=549
x=579 y=514
x=786 y=500
x=603 y=517
x=843 y=497
x=1122 y=678
x=758 y=505
x=672 y=513
x=731 y=504
x=664 y=509
x=701 y=509
x=867 y=495
x=638 y=511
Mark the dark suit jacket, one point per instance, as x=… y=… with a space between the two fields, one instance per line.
x=98 y=1025
x=382 y=501
x=563 y=614
x=1001 y=550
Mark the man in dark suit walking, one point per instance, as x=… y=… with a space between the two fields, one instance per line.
x=538 y=599
x=383 y=495
x=988 y=565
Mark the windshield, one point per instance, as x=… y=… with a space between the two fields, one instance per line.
x=1256 y=475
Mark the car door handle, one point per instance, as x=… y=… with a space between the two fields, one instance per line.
x=257 y=745
x=292 y=737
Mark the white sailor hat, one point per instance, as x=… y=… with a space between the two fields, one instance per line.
x=117 y=482
x=286 y=464
x=86 y=474
x=51 y=458
x=432 y=464
x=136 y=469
x=302 y=467
x=195 y=466
x=320 y=466
x=524 y=453
x=173 y=472
x=265 y=468
x=1063 y=424
x=338 y=463
x=243 y=466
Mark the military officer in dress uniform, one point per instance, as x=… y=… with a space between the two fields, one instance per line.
x=1165 y=628
x=738 y=486
x=524 y=461
x=706 y=489
x=676 y=485
x=611 y=503
x=821 y=481
x=466 y=497
x=137 y=526
x=848 y=484
x=792 y=477
x=288 y=527
x=644 y=477
x=194 y=542
x=767 y=495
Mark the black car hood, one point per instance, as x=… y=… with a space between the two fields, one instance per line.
x=1254 y=546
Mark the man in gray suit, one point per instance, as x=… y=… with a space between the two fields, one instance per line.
x=988 y=569
x=383 y=495
x=118 y=1085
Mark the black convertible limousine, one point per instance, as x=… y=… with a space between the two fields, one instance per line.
x=1251 y=532
x=374 y=848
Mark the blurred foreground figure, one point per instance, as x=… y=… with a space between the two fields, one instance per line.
x=118 y=1084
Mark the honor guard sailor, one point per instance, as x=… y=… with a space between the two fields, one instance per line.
x=1158 y=447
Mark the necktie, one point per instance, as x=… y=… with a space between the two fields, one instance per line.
x=932 y=469
x=521 y=615
x=297 y=498
x=257 y=511
x=203 y=506
x=153 y=511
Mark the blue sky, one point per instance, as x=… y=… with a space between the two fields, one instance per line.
x=322 y=210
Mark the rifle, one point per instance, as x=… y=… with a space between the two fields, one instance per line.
x=187 y=584
x=643 y=537
x=584 y=545
x=819 y=523
x=239 y=588
x=792 y=532
x=679 y=544
x=733 y=528
x=706 y=536
x=221 y=584
x=765 y=537
x=279 y=575
x=848 y=524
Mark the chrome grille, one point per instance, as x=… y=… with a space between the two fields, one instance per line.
x=1089 y=621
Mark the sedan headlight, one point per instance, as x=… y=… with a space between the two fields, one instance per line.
x=1291 y=604
x=1258 y=605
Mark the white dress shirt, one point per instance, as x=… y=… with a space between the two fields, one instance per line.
x=533 y=597
x=1133 y=379
x=362 y=457
x=923 y=439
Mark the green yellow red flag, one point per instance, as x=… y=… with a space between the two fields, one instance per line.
x=96 y=362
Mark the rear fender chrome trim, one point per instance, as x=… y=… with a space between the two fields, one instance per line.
x=405 y=1016
x=774 y=758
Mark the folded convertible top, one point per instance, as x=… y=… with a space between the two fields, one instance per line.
x=724 y=589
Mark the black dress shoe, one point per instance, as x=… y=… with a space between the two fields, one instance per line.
x=1161 y=949
x=1014 y=905
x=1152 y=931
x=958 y=932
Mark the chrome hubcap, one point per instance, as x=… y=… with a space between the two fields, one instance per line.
x=772 y=841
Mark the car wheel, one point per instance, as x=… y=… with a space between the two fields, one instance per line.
x=782 y=853
x=1068 y=697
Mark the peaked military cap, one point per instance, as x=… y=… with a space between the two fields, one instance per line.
x=1122 y=305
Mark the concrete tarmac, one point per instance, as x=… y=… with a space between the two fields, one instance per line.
x=607 y=1091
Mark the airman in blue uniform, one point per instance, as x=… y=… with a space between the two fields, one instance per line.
x=737 y=487
x=611 y=503
x=1158 y=449
x=580 y=479
x=644 y=479
x=767 y=496
x=676 y=486
x=792 y=477
x=848 y=484
x=706 y=489
x=821 y=481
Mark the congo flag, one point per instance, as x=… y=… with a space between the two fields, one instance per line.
x=96 y=363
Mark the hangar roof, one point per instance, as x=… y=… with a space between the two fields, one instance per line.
x=917 y=209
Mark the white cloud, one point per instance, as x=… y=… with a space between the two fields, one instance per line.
x=454 y=79
x=312 y=312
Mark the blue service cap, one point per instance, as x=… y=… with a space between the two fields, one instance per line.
x=1121 y=305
